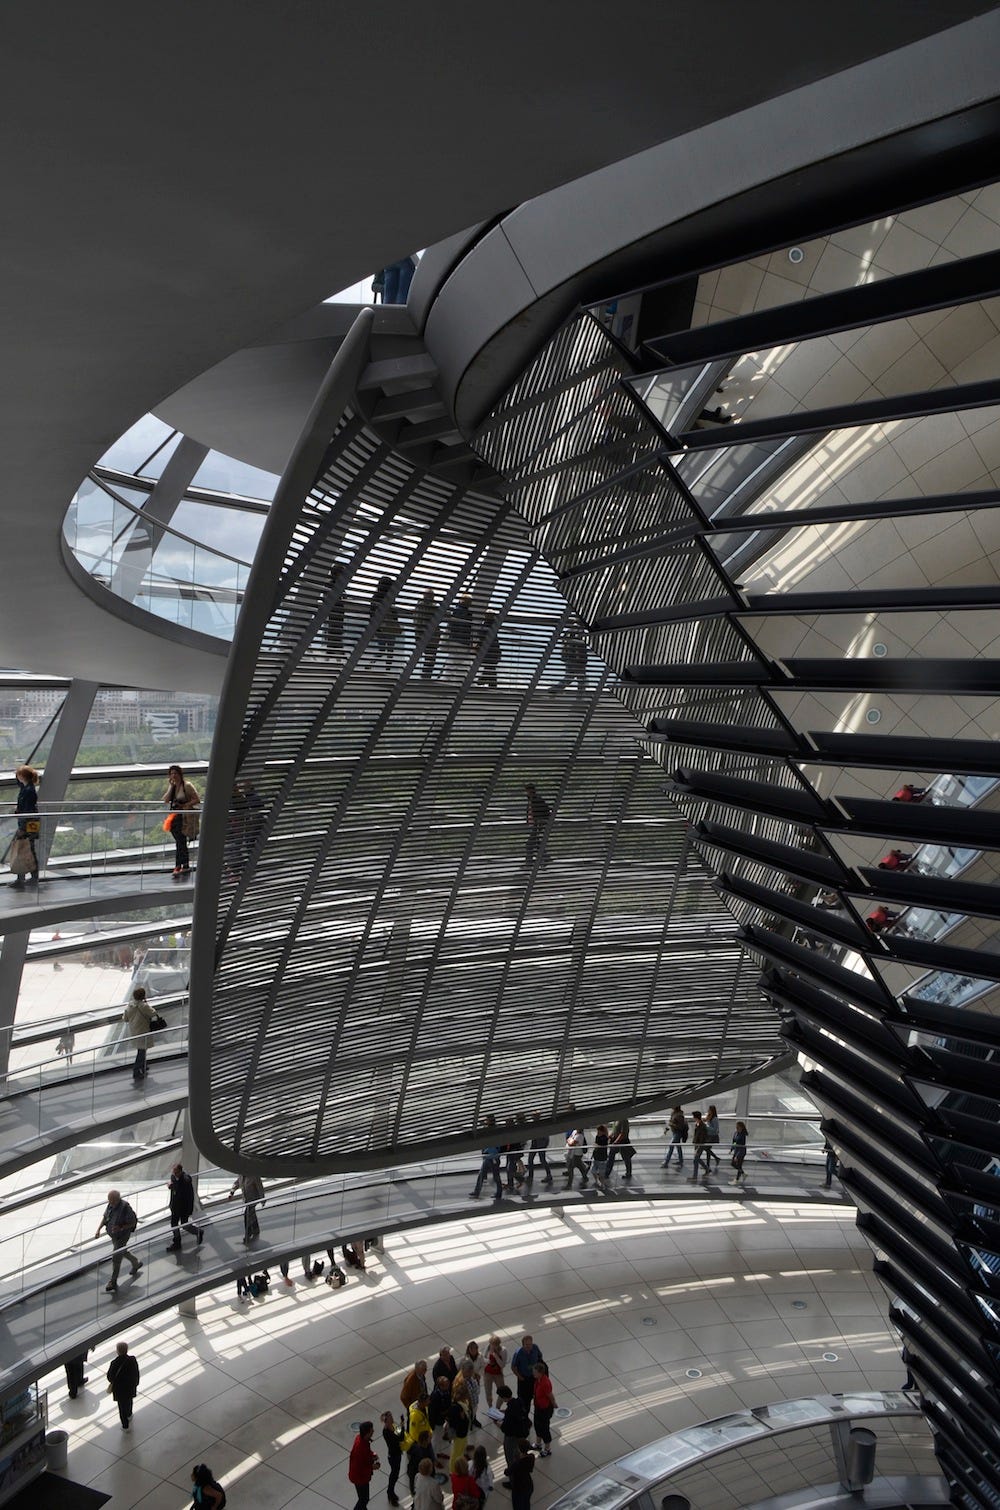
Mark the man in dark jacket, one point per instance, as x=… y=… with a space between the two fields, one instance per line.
x=537 y=817
x=181 y=1187
x=119 y=1221
x=516 y=1426
x=123 y=1382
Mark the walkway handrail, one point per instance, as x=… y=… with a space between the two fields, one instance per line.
x=68 y=1308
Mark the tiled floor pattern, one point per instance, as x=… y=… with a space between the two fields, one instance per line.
x=623 y=1300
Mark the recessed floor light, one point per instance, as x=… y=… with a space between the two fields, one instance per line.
x=649 y=1321
x=562 y=1413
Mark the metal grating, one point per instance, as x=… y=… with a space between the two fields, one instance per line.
x=376 y=968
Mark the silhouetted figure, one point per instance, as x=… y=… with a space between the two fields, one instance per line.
x=382 y=612
x=574 y=656
x=490 y=653
x=538 y=816
x=393 y=282
x=338 y=608
x=427 y=628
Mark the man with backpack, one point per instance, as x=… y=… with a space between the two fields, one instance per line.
x=516 y=1426
x=119 y=1222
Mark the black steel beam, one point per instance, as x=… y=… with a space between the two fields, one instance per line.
x=937 y=892
x=893 y=752
x=875 y=411
x=845 y=309
x=920 y=823
x=795 y=803
x=743 y=739
x=804 y=865
x=847 y=513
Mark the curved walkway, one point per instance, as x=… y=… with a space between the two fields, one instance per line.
x=66 y=1307
x=60 y=1113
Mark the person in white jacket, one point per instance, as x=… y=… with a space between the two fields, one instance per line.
x=138 y=1015
x=428 y=1494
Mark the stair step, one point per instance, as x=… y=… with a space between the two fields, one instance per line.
x=411 y=404
x=397 y=369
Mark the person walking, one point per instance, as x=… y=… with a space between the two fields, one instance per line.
x=362 y=1464
x=621 y=1143
x=576 y=1156
x=677 y=1129
x=382 y=613
x=393 y=1439
x=251 y=1192
x=739 y=1150
x=712 y=1139
x=138 y=1017
x=123 y=1382
x=337 y=588
x=544 y=1406
x=23 y=850
x=428 y=1494
x=119 y=1222
x=489 y=650
x=490 y=1166
x=205 y=1488
x=181 y=1188
x=699 y=1138
x=514 y=1427
x=536 y=1150
x=427 y=630
x=523 y=1368
x=460 y=624
x=76 y=1376
x=574 y=658
x=830 y=1154
x=599 y=1161
x=182 y=799
x=496 y=1362
x=538 y=816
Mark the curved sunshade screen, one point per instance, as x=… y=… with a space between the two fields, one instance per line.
x=376 y=968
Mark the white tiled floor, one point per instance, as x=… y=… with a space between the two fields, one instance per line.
x=622 y=1299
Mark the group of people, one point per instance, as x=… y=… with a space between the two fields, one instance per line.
x=703 y=1131
x=435 y=628
x=511 y=1164
x=463 y=638
x=440 y=1411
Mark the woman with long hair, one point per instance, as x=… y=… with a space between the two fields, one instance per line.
x=181 y=798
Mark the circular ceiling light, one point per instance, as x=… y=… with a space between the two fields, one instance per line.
x=693 y=1373
x=880 y=649
x=873 y=716
x=796 y=255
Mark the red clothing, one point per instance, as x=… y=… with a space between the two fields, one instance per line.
x=544 y=1399
x=362 y=1464
x=464 y=1483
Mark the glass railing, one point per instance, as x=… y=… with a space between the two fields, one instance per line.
x=149 y=564
x=292 y=1210
x=91 y=847
x=62 y=1058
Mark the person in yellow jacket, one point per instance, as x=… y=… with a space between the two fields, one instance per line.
x=416 y=1422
